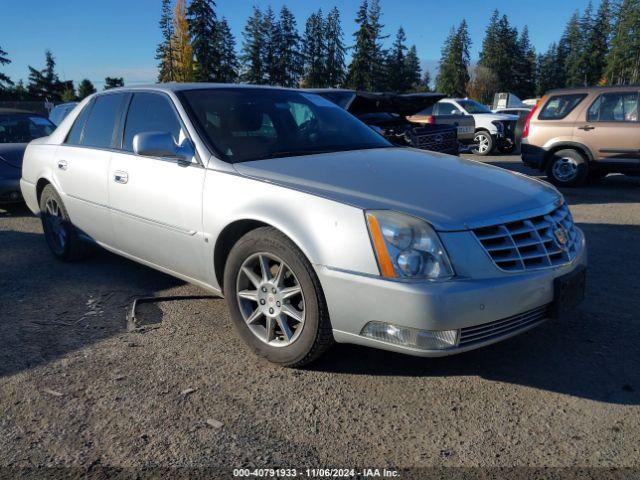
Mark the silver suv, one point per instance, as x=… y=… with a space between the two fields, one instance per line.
x=313 y=226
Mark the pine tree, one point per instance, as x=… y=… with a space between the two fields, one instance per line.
x=202 y=21
x=360 y=76
x=396 y=68
x=315 y=58
x=45 y=84
x=623 y=60
x=228 y=67
x=501 y=52
x=412 y=69
x=289 y=59
x=379 y=54
x=549 y=71
x=453 y=75
x=164 y=51
x=181 y=44
x=425 y=81
x=335 y=50
x=68 y=92
x=598 y=43
x=85 y=88
x=525 y=78
x=270 y=33
x=5 y=81
x=570 y=51
x=113 y=82
x=252 y=46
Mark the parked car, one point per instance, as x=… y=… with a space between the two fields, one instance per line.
x=312 y=226
x=581 y=134
x=390 y=115
x=59 y=112
x=17 y=128
x=465 y=124
x=513 y=111
x=492 y=131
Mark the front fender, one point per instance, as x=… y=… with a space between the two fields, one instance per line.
x=329 y=233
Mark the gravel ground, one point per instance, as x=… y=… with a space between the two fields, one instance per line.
x=78 y=390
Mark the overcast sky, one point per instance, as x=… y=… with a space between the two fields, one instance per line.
x=118 y=37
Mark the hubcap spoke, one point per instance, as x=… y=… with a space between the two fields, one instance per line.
x=279 y=274
x=252 y=276
x=264 y=268
x=270 y=328
x=257 y=313
x=284 y=326
x=249 y=295
x=290 y=292
x=292 y=312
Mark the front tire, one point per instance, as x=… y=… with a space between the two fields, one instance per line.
x=484 y=143
x=275 y=299
x=60 y=234
x=567 y=168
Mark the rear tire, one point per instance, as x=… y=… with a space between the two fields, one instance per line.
x=567 y=168
x=263 y=267
x=61 y=235
x=484 y=143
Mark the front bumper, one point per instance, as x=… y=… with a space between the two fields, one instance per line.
x=355 y=300
x=532 y=155
x=10 y=190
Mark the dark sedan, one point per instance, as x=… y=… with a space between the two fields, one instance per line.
x=17 y=129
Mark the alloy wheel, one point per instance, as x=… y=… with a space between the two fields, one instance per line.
x=565 y=169
x=54 y=224
x=483 y=143
x=271 y=299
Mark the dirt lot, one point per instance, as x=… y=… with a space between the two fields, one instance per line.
x=78 y=390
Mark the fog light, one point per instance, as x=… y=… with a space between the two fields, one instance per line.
x=411 y=337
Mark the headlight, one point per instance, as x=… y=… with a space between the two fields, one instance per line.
x=407 y=247
x=499 y=125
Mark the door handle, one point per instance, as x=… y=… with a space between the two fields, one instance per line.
x=62 y=164
x=120 y=177
x=586 y=128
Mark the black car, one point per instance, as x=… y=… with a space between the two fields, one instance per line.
x=17 y=129
x=387 y=114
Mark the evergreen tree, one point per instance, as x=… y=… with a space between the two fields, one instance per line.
x=202 y=21
x=5 y=81
x=289 y=59
x=164 y=51
x=45 y=84
x=397 y=80
x=598 y=43
x=412 y=69
x=181 y=44
x=113 y=82
x=85 y=88
x=270 y=33
x=570 y=51
x=425 y=81
x=335 y=50
x=483 y=84
x=252 y=46
x=453 y=74
x=379 y=54
x=501 y=52
x=549 y=71
x=360 y=76
x=315 y=59
x=525 y=79
x=68 y=92
x=623 y=60
x=228 y=67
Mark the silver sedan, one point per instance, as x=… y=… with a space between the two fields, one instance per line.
x=312 y=226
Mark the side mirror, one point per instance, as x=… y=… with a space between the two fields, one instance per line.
x=161 y=144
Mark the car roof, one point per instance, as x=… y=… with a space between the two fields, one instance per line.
x=180 y=87
x=593 y=89
x=7 y=111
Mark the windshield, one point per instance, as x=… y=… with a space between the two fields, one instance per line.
x=472 y=107
x=244 y=124
x=22 y=128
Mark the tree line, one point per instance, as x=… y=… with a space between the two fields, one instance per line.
x=45 y=84
x=198 y=46
x=596 y=48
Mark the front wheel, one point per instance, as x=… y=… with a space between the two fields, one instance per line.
x=484 y=143
x=275 y=299
x=567 y=168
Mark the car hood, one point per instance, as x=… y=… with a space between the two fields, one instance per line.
x=501 y=117
x=449 y=192
x=12 y=153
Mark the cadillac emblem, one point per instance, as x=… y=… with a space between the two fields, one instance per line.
x=561 y=235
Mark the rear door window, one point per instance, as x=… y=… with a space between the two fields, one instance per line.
x=151 y=112
x=614 y=107
x=100 y=127
x=75 y=134
x=559 y=106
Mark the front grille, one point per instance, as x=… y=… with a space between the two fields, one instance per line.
x=437 y=142
x=500 y=328
x=533 y=243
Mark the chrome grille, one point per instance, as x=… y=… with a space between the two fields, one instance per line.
x=437 y=142
x=500 y=328
x=532 y=243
